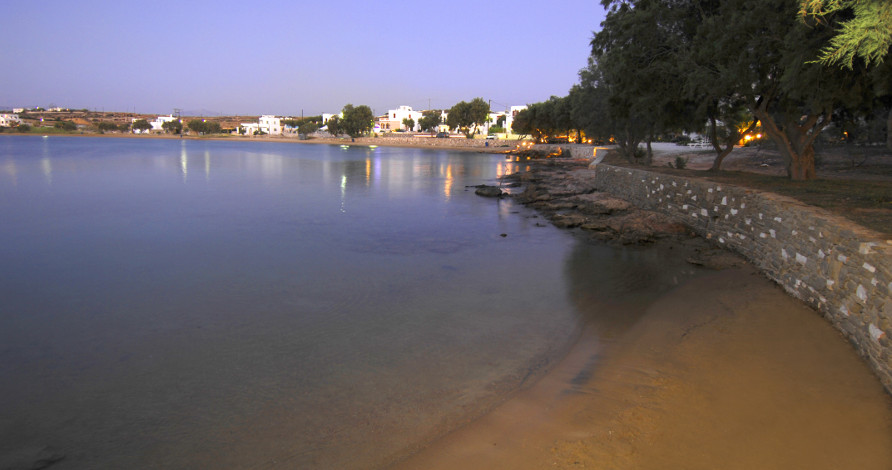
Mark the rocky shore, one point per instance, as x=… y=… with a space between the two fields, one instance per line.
x=562 y=190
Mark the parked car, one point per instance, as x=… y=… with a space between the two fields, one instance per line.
x=443 y=135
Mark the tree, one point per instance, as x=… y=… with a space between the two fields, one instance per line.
x=770 y=72
x=141 y=125
x=107 y=126
x=637 y=55
x=66 y=126
x=588 y=104
x=467 y=117
x=867 y=34
x=523 y=122
x=197 y=125
x=357 y=120
x=174 y=126
x=204 y=127
x=334 y=126
x=409 y=123
x=307 y=127
x=430 y=120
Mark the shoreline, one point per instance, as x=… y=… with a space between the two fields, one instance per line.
x=693 y=383
x=721 y=386
x=468 y=145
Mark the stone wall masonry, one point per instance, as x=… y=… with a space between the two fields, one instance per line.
x=842 y=270
x=576 y=150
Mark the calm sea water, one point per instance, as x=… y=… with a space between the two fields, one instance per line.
x=198 y=304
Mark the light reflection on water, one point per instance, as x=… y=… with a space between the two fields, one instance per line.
x=206 y=304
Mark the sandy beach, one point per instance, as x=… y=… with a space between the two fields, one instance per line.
x=724 y=371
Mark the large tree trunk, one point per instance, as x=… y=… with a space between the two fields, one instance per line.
x=795 y=141
x=629 y=144
x=802 y=165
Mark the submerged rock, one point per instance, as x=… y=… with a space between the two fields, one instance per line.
x=488 y=191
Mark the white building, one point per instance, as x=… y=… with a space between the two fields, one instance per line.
x=18 y=110
x=267 y=124
x=158 y=123
x=272 y=125
x=393 y=120
x=326 y=117
x=9 y=120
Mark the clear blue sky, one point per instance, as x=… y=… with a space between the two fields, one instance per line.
x=281 y=57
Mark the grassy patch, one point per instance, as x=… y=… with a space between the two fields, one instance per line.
x=865 y=202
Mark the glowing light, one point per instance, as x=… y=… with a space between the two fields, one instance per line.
x=450 y=179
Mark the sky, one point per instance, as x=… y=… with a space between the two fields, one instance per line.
x=290 y=57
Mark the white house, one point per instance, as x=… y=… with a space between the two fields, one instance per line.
x=248 y=128
x=272 y=125
x=9 y=120
x=268 y=124
x=393 y=120
x=158 y=123
x=18 y=110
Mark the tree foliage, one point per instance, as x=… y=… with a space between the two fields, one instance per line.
x=141 y=125
x=175 y=126
x=866 y=33
x=357 y=120
x=430 y=120
x=468 y=117
x=104 y=126
x=659 y=67
x=334 y=126
x=65 y=126
x=204 y=127
x=308 y=127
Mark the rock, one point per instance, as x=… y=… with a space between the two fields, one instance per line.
x=601 y=204
x=567 y=220
x=488 y=191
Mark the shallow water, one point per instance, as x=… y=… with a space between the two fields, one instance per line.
x=206 y=304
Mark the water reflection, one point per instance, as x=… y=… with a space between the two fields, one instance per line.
x=614 y=296
x=244 y=310
x=184 y=160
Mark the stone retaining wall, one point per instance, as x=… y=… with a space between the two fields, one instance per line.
x=576 y=150
x=842 y=270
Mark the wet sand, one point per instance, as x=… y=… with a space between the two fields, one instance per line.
x=724 y=371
